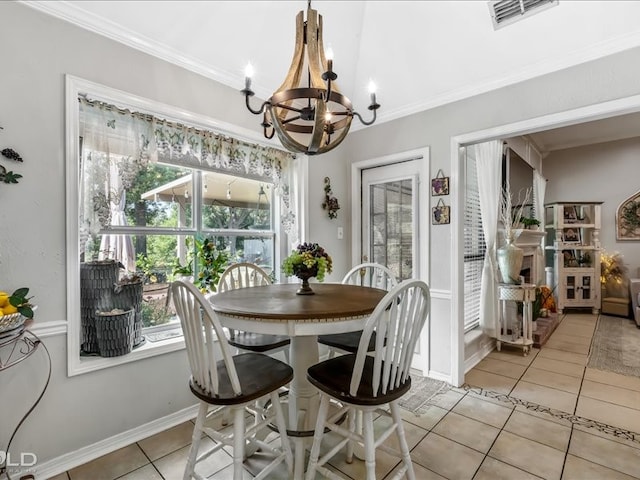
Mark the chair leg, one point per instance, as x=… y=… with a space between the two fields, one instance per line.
x=282 y=429
x=369 y=445
x=404 y=448
x=353 y=417
x=317 y=437
x=238 y=442
x=195 y=441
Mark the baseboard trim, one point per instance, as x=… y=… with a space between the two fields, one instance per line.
x=477 y=357
x=86 y=454
x=440 y=376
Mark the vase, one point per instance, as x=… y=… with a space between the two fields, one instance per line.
x=304 y=274
x=510 y=259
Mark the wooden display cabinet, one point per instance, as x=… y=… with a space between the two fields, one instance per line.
x=574 y=241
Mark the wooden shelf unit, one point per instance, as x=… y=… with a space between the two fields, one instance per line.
x=574 y=239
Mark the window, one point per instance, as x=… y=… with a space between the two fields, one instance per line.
x=161 y=196
x=474 y=245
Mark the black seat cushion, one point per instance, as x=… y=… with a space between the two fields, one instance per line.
x=333 y=377
x=258 y=374
x=257 y=342
x=347 y=341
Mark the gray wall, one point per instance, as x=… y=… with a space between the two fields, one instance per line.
x=583 y=85
x=605 y=172
x=37 y=51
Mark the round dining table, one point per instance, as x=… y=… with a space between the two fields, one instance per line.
x=277 y=309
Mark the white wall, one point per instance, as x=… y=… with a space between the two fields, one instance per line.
x=606 y=172
x=37 y=51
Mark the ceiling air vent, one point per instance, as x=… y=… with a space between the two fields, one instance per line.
x=505 y=12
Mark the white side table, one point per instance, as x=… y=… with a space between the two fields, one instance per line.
x=520 y=336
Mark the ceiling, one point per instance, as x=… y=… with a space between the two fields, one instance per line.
x=421 y=54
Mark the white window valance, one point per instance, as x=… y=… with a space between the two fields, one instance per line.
x=132 y=139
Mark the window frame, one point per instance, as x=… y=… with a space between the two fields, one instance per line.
x=75 y=86
x=473 y=237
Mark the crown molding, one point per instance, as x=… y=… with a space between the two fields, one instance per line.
x=106 y=28
x=88 y=21
x=584 y=55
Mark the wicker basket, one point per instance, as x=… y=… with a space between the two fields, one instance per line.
x=114 y=331
x=11 y=321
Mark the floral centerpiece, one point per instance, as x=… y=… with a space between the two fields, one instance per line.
x=306 y=261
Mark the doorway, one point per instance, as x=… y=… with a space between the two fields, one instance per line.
x=389 y=225
x=391 y=200
x=572 y=117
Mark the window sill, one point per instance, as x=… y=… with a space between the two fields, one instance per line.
x=472 y=335
x=147 y=350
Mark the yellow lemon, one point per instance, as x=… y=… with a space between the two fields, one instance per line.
x=4 y=299
x=9 y=309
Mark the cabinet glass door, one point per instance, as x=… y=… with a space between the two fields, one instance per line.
x=571 y=287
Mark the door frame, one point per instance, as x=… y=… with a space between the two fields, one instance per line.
x=421 y=271
x=574 y=116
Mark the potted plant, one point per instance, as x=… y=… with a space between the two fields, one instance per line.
x=530 y=222
x=211 y=263
x=306 y=261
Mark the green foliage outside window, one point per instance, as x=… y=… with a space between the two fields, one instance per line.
x=210 y=263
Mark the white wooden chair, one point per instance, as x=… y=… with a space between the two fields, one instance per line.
x=366 y=275
x=245 y=275
x=364 y=383
x=223 y=382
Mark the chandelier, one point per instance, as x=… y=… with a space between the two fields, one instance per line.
x=307 y=111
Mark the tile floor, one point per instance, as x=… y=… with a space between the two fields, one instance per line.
x=542 y=416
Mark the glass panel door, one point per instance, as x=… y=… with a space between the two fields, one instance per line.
x=389 y=224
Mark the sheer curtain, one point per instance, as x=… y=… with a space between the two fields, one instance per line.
x=489 y=162
x=117 y=143
x=114 y=147
x=539 y=189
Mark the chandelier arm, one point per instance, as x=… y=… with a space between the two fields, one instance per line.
x=267 y=135
x=288 y=107
x=255 y=112
x=292 y=119
x=370 y=122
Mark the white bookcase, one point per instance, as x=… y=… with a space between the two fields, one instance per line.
x=573 y=237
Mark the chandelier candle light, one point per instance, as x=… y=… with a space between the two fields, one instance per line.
x=312 y=118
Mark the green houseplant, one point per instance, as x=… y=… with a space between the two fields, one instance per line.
x=211 y=263
x=530 y=222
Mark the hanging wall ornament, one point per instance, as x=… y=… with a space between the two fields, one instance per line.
x=7 y=176
x=628 y=219
x=330 y=202
x=440 y=184
x=440 y=214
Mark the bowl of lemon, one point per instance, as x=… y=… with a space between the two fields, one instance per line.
x=15 y=309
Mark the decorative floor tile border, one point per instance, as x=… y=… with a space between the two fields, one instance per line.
x=574 y=419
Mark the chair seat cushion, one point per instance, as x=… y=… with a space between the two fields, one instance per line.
x=258 y=374
x=333 y=377
x=258 y=342
x=347 y=341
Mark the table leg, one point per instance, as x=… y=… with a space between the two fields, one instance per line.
x=303 y=397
